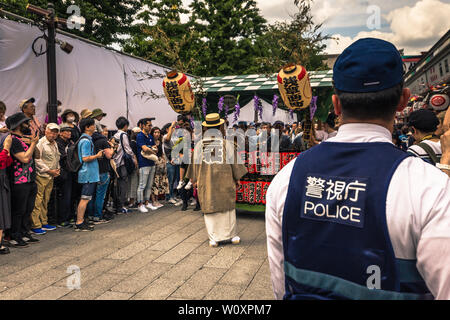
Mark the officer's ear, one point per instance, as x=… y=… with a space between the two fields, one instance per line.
x=337 y=105
x=406 y=94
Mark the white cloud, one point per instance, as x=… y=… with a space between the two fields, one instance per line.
x=414 y=28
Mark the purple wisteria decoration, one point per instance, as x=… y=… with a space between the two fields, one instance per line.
x=313 y=107
x=291 y=113
x=204 y=107
x=275 y=104
x=258 y=106
x=226 y=112
x=192 y=123
x=220 y=105
x=237 y=112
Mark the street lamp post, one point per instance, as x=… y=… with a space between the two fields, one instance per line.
x=50 y=22
x=51 y=66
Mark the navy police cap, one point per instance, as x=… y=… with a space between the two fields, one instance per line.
x=368 y=65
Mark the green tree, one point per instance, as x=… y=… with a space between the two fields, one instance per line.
x=296 y=41
x=106 y=22
x=162 y=37
x=229 y=28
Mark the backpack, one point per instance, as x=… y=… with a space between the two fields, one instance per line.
x=73 y=159
x=433 y=157
x=128 y=160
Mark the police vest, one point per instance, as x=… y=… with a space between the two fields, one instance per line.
x=335 y=238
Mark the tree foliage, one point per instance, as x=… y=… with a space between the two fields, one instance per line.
x=106 y=22
x=160 y=36
x=230 y=28
x=297 y=41
x=208 y=38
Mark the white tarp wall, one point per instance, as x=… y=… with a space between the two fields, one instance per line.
x=248 y=114
x=90 y=77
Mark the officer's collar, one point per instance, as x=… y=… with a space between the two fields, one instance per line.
x=362 y=132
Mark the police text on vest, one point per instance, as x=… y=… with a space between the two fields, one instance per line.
x=335 y=199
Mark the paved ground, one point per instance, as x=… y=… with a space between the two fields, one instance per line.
x=158 y=255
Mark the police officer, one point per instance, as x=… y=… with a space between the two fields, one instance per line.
x=355 y=217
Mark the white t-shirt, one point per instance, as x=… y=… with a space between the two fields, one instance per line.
x=3 y=123
x=418 y=151
x=417 y=214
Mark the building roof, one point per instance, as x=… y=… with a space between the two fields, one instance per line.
x=438 y=49
x=260 y=82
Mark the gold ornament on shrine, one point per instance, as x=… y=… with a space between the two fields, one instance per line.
x=178 y=91
x=294 y=86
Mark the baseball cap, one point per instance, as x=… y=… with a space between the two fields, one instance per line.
x=52 y=126
x=64 y=127
x=368 y=65
x=25 y=101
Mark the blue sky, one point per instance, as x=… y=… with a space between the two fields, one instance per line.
x=410 y=24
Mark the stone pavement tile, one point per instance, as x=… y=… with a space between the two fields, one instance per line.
x=199 y=237
x=105 y=281
x=169 y=242
x=225 y=292
x=205 y=250
x=162 y=233
x=5 y=285
x=258 y=249
x=251 y=232
x=94 y=270
x=138 y=261
x=183 y=221
x=77 y=250
x=93 y=256
x=184 y=269
x=226 y=257
x=262 y=278
x=32 y=286
x=83 y=294
x=177 y=253
x=257 y=294
x=132 y=236
x=199 y=221
x=50 y=293
x=261 y=286
x=242 y=272
x=131 y=250
x=141 y=279
x=200 y=283
x=111 y=295
x=159 y=289
x=38 y=269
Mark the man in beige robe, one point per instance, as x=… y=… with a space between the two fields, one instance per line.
x=216 y=172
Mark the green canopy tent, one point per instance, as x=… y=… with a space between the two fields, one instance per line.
x=263 y=86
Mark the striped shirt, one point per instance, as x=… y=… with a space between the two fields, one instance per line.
x=418 y=151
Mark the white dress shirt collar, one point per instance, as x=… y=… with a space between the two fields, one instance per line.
x=362 y=132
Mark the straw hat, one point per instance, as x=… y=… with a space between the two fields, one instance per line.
x=213 y=120
x=85 y=113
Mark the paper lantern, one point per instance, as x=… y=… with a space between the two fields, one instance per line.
x=439 y=102
x=178 y=91
x=294 y=86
